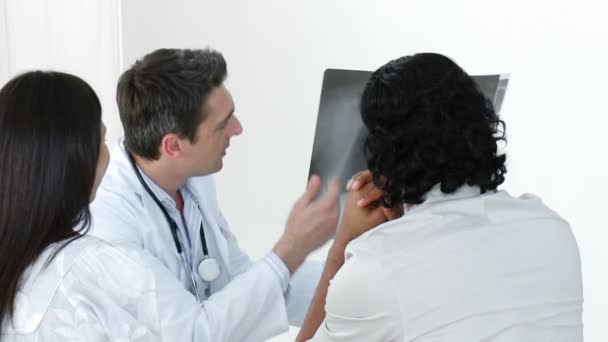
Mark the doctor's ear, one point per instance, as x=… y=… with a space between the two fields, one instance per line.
x=171 y=146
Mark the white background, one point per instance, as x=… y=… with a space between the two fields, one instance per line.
x=555 y=51
x=74 y=36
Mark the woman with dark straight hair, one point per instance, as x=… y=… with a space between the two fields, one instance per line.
x=56 y=283
x=50 y=143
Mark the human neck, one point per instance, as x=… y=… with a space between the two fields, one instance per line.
x=164 y=175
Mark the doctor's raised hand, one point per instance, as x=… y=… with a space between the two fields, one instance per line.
x=310 y=224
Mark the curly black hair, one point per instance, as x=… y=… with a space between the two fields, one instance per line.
x=428 y=123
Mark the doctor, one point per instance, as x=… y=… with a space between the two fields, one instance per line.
x=158 y=196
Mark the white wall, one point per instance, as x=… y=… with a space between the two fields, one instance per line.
x=3 y=44
x=555 y=51
x=74 y=36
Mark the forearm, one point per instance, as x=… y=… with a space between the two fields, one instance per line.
x=290 y=253
x=316 y=311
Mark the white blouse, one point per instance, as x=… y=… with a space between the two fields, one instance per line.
x=460 y=267
x=92 y=291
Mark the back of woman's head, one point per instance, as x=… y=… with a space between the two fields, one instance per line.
x=429 y=124
x=50 y=134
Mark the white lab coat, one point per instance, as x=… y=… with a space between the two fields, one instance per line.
x=125 y=215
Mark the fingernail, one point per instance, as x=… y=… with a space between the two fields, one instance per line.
x=360 y=202
x=356 y=185
x=350 y=181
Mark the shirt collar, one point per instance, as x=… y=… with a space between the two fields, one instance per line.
x=436 y=195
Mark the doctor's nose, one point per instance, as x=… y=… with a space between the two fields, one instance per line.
x=235 y=126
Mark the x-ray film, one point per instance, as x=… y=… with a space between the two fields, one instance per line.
x=338 y=145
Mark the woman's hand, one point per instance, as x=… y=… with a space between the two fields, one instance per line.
x=369 y=194
x=357 y=220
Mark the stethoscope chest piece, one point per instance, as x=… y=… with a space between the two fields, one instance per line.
x=209 y=269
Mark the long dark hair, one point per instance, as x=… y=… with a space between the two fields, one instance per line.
x=50 y=138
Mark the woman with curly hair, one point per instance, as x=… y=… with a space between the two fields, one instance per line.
x=446 y=256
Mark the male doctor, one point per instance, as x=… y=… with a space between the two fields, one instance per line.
x=158 y=196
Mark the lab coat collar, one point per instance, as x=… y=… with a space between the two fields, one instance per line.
x=161 y=194
x=121 y=172
x=120 y=152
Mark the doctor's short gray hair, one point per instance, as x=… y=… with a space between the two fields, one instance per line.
x=165 y=92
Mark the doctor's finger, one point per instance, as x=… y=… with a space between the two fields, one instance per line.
x=312 y=189
x=331 y=197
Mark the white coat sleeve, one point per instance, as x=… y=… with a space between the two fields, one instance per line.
x=362 y=305
x=301 y=287
x=239 y=260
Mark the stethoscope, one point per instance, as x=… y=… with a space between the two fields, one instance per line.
x=209 y=268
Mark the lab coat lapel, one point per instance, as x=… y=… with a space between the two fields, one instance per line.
x=205 y=193
x=158 y=232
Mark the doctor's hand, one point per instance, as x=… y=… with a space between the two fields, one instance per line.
x=310 y=224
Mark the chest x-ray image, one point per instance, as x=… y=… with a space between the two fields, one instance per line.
x=338 y=145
